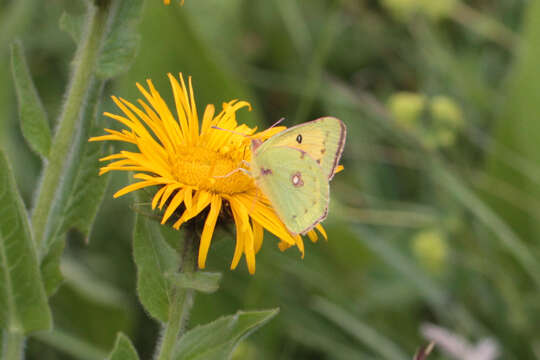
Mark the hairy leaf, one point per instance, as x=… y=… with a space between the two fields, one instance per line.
x=123 y=349
x=154 y=259
x=34 y=124
x=122 y=41
x=50 y=267
x=217 y=340
x=23 y=303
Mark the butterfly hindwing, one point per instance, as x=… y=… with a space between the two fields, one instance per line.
x=323 y=139
x=294 y=184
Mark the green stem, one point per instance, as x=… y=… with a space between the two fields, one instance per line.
x=82 y=77
x=181 y=302
x=316 y=67
x=484 y=25
x=13 y=346
x=15 y=18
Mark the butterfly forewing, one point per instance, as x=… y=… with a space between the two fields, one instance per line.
x=322 y=139
x=294 y=184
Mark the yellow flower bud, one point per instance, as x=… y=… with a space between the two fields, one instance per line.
x=445 y=111
x=430 y=248
x=407 y=107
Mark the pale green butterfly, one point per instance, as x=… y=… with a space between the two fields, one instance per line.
x=293 y=169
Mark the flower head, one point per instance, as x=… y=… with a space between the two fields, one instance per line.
x=192 y=165
x=167 y=2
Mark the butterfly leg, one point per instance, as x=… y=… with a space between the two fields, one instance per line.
x=233 y=172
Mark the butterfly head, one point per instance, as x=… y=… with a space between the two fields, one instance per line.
x=255 y=143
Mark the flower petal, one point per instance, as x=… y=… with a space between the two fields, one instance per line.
x=208 y=229
x=174 y=204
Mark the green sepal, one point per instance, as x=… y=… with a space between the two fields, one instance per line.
x=32 y=115
x=205 y=282
x=218 y=339
x=123 y=349
x=23 y=302
x=154 y=258
x=122 y=42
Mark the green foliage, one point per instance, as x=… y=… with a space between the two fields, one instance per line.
x=218 y=339
x=33 y=118
x=154 y=258
x=438 y=224
x=122 y=40
x=23 y=304
x=73 y=25
x=123 y=349
x=50 y=267
x=87 y=189
x=204 y=282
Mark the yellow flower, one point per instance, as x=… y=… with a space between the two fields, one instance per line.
x=167 y=2
x=190 y=167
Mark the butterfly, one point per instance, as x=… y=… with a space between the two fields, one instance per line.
x=293 y=169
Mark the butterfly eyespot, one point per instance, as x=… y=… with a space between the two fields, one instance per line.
x=296 y=179
x=299 y=138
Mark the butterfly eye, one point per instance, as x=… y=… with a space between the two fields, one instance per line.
x=299 y=138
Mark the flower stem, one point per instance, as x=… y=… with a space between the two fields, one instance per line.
x=181 y=301
x=13 y=346
x=81 y=79
x=485 y=25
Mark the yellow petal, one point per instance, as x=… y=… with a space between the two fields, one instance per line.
x=322 y=231
x=312 y=236
x=133 y=187
x=208 y=230
x=173 y=205
x=257 y=236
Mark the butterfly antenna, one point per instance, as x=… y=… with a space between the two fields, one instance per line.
x=232 y=131
x=277 y=123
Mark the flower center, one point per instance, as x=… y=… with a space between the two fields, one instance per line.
x=201 y=167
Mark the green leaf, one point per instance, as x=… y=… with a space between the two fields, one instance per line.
x=122 y=43
x=73 y=25
x=50 y=267
x=123 y=349
x=89 y=188
x=205 y=282
x=154 y=258
x=515 y=156
x=80 y=193
x=217 y=340
x=34 y=124
x=23 y=303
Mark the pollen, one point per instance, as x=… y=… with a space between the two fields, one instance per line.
x=210 y=170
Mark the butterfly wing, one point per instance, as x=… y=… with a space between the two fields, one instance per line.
x=323 y=139
x=294 y=184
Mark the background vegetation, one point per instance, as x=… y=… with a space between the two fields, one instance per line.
x=435 y=218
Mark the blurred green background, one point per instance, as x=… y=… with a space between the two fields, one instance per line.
x=434 y=220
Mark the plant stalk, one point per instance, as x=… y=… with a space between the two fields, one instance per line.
x=181 y=302
x=13 y=346
x=81 y=79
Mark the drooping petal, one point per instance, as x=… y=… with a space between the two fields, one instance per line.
x=208 y=229
x=257 y=235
